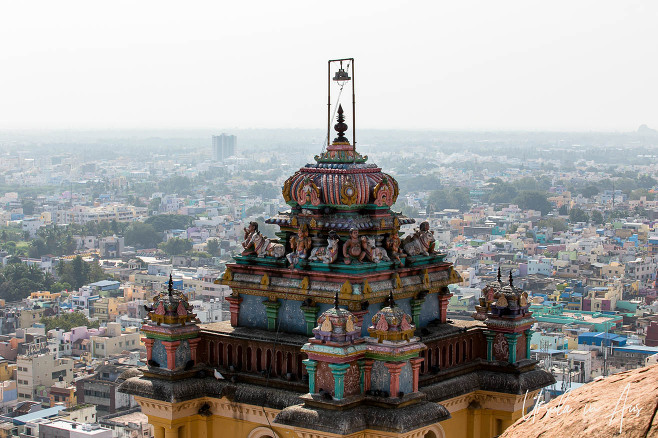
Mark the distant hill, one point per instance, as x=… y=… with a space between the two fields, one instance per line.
x=644 y=129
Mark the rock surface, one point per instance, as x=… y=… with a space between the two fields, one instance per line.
x=596 y=410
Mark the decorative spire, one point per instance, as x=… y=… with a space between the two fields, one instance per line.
x=171 y=285
x=341 y=127
x=336 y=301
x=391 y=301
x=511 y=282
x=499 y=274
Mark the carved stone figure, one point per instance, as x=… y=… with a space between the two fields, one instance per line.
x=263 y=246
x=330 y=253
x=247 y=243
x=352 y=248
x=301 y=245
x=373 y=253
x=421 y=242
x=394 y=246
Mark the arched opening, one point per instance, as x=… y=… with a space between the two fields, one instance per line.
x=259 y=360
x=429 y=358
x=464 y=352
x=268 y=363
x=279 y=363
x=211 y=353
x=239 y=357
x=300 y=366
x=470 y=347
x=450 y=362
x=437 y=354
x=229 y=355
x=444 y=360
x=457 y=357
x=249 y=364
x=262 y=432
x=422 y=364
x=430 y=434
x=289 y=363
x=220 y=353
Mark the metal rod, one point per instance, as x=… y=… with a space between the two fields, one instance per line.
x=353 y=111
x=328 y=101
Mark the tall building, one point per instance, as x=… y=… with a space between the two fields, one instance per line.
x=223 y=146
x=338 y=328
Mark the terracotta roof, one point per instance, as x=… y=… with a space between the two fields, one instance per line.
x=595 y=409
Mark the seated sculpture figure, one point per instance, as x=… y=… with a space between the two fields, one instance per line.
x=256 y=244
x=301 y=245
x=352 y=248
x=394 y=247
x=421 y=242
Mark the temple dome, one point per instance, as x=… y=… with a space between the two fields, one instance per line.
x=391 y=323
x=171 y=307
x=337 y=325
x=340 y=178
x=510 y=301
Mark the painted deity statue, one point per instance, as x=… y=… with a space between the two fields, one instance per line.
x=352 y=248
x=247 y=243
x=329 y=254
x=256 y=244
x=373 y=253
x=394 y=247
x=300 y=245
x=421 y=242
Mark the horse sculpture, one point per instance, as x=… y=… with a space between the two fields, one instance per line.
x=263 y=246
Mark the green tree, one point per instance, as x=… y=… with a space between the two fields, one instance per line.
x=164 y=222
x=59 y=287
x=597 y=217
x=18 y=280
x=176 y=246
x=142 y=235
x=556 y=223
x=28 y=206
x=502 y=193
x=564 y=210
x=534 y=201
x=578 y=215
x=212 y=246
x=67 y=321
x=154 y=205
x=590 y=191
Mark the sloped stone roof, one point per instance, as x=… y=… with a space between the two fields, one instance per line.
x=595 y=410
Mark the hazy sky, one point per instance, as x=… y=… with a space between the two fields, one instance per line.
x=549 y=65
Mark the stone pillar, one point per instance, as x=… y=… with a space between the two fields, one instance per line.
x=311 y=367
x=194 y=344
x=338 y=370
x=171 y=432
x=170 y=347
x=511 y=342
x=272 y=310
x=528 y=338
x=361 y=363
x=311 y=317
x=394 y=371
x=367 y=369
x=444 y=297
x=415 y=367
x=490 y=338
x=234 y=307
x=149 y=347
x=416 y=305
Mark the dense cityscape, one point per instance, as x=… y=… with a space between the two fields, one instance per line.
x=92 y=232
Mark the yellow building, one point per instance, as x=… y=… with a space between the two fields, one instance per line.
x=6 y=370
